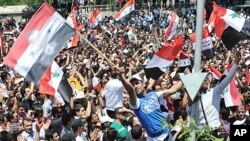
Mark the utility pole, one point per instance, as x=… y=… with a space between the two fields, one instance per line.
x=193 y=81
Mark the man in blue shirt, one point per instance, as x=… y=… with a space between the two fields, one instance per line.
x=147 y=107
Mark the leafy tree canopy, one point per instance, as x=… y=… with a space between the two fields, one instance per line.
x=21 y=2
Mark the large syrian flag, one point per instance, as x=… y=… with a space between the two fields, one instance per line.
x=163 y=59
x=171 y=30
x=73 y=21
x=229 y=25
x=207 y=43
x=41 y=40
x=126 y=9
x=53 y=81
x=231 y=93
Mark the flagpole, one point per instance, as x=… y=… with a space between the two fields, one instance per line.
x=96 y=49
x=198 y=43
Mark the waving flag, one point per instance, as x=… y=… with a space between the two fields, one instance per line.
x=231 y=93
x=163 y=58
x=126 y=9
x=216 y=73
x=184 y=61
x=229 y=25
x=41 y=40
x=171 y=30
x=207 y=43
x=72 y=20
x=54 y=82
x=93 y=17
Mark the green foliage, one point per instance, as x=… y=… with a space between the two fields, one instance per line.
x=21 y=2
x=202 y=133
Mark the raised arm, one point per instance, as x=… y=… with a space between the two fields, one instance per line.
x=219 y=88
x=173 y=89
x=129 y=88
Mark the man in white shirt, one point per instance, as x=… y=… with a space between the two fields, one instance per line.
x=28 y=133
x=113 y=94
x=208 y=111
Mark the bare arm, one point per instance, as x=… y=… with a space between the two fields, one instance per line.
x=173 y=89
x=219 y=88
x=184 y=101
x=130 y=89
x=151 y=84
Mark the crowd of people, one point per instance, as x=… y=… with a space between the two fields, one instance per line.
x=118 y=102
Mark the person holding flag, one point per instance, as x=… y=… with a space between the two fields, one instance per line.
x=207 y=113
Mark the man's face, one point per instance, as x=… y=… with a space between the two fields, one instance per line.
x=139 y=87
x=80 y=57
x=163 y=85
x=81 y=112
x=243 y=80
x=205 y=83
x=56 y=137
x=120 y=115
x=27 y=126
x=241 y=112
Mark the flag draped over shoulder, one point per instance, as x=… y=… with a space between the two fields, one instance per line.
x=163 y=58
x=41 y=40
x=229 y=25
x=54 y=80
x=93 y=17
x=72 y=20
x=207 y=43
x=126 y=9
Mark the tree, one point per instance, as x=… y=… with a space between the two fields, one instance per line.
x=22 y=2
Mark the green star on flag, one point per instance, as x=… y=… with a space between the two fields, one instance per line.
x=235 y=15
x=55 y=74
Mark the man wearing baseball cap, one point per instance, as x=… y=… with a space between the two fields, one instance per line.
x=146 y=106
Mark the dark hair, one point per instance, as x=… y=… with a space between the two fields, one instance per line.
x=117 y=110
x=111 y=134
x=136 y=132
x=225 y=113
x=2 y=117
x=66 y=117
x=77 y=108
x=37 y=108
x=5 y=136
x=130 y=121
x=49 y=134
x=4 y=76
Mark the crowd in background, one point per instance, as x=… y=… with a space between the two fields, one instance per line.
x=101 y=108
